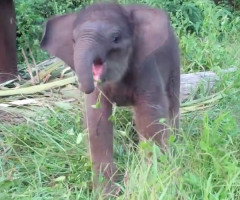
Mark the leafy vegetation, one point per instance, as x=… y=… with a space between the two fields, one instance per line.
x=45 y=156
x=205 y=38
x=31 y=15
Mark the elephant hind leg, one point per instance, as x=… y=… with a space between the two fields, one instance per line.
x=147 y=119
x=173 y=93
x=174 y=115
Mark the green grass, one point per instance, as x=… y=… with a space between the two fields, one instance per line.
x=46 y=157
x=49 y=160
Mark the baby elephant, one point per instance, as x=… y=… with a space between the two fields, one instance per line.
x=130 y=55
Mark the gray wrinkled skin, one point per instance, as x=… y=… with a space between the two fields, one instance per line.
x=139 y=53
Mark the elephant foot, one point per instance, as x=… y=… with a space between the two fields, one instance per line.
x=107 y=188
x=111 y=190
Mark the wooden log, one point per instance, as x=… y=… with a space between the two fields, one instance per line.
x=190 y=82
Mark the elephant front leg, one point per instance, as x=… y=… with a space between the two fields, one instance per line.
x=152 y=121
x=101 y=140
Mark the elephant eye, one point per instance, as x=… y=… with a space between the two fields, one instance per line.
x=116 y=38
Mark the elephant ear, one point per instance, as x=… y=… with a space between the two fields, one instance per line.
x=151 y=29
x=58 y=37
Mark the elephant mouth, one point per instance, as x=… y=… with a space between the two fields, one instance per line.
x=97 y=69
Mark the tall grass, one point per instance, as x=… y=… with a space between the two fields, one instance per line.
x=49 y=160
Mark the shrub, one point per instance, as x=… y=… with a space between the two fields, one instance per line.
x=31 y=15
x=205 y=30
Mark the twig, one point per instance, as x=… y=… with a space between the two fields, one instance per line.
x=29 y=69
x=36 y=67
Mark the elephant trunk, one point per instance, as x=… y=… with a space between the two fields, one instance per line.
x=83 y=63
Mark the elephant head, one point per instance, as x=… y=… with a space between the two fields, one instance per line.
x=102 y=41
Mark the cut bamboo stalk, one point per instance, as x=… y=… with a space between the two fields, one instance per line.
x=29 y=69
x=35 y=66
x=38 y=88
x=49 y=69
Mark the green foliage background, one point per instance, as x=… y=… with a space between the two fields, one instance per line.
x=201 y=26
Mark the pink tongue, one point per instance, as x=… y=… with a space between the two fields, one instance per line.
x=97 y=71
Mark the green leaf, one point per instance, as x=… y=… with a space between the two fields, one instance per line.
x=63 y=105
x=60 y=179
x=79 y=138
x=162 y=120
x=111 y=118
x=97 y=105
x=145 y=146
x=171 y=139
x=70 y=132
x=123 y=133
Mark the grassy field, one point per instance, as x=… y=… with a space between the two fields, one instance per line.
x=45 y=156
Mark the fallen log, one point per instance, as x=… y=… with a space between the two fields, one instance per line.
x=191 y=81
